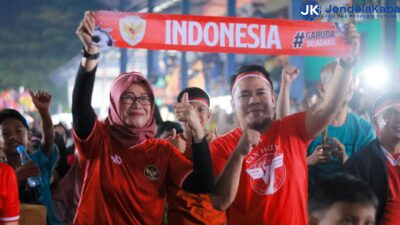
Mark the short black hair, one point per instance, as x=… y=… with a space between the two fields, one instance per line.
x=12 y=114
x=250 y=68
x=194 y=92
x=339 y=188
x=168 y=126
x=389 y=96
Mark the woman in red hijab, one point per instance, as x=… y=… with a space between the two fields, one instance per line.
x=126 y=170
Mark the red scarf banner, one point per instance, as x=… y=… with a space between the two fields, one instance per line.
x=218 y=34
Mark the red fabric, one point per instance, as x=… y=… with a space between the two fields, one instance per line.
x=9 y=201
x=220 y=34
x=119 y=130
x=202 y=100
x=191 y=209
x=71 y=159
x=126 y=185
x=391 y=215
x=284 y=148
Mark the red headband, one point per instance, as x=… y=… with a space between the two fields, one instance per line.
x=385 y=106
x=200 y=100
x=250 y=74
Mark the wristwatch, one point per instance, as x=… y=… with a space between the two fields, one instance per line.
x=89 y=56
x=348 y=65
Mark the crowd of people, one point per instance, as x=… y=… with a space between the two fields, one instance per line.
x=321 y=165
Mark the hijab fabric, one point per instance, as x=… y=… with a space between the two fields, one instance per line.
x=128 y=136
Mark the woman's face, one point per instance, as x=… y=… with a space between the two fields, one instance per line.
x=135 y=106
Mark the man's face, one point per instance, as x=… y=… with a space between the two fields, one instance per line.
x=202 y=112
x=391 y=122
x=253 y=102
x=13 y=133
x=343 y=213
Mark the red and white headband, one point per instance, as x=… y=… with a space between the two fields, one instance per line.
x=199 y=100
x=250 y=74
x=386 y=106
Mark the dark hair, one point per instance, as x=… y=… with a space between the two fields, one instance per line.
x=12 y=114
x=194 y=92
x=250 y=68
x=389 y=96
x=339 y=188
x=168 y=126
x=64 y=128
x=36 y=138
x=36 y=133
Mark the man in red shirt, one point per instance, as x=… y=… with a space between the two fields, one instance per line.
x=261 y=166
x=378 y=164
x=185 y=208
x=9 y=201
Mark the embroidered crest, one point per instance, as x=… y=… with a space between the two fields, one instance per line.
x=152 y=172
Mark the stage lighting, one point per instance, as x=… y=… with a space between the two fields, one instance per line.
x=375 y=77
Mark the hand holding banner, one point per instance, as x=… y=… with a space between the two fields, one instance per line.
x=218 y=34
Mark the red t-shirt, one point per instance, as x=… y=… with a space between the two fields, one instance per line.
x=9 y=201
x=187 y=208
x=126 y=185
x=273 y=180
x=391 y=215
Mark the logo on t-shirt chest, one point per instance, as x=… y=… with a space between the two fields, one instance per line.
x=266 y=169
x=152 y=172
x=116 y=159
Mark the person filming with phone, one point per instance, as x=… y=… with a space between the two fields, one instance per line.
x=346 y=134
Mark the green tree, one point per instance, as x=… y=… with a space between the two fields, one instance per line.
x=36 y=37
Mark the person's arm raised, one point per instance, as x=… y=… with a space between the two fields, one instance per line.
x=322 y=113
x=84 y=32
x=84 y=117
x=201 y=180
x=289 y=74
x=42 y=100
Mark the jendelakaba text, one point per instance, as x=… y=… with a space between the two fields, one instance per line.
x=235 y=35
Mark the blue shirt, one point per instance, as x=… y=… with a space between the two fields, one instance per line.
x=354 y=134
x=46 y=165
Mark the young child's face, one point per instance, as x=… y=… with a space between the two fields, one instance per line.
x=342 y=213
x=13 y=133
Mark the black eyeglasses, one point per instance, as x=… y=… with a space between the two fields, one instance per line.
x=130 y=99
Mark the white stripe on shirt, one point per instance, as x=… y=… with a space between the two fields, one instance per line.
x=390 y=158
x=8 y=219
